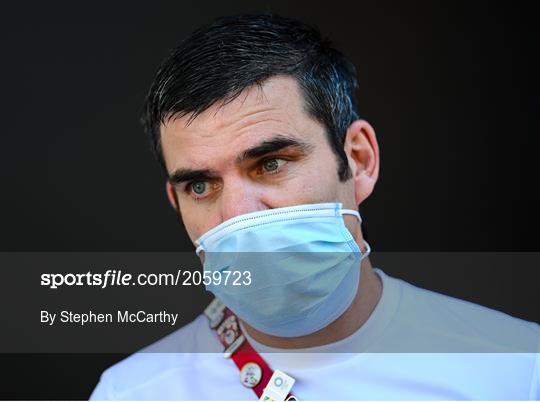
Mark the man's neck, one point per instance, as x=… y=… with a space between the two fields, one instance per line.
x=367 y=296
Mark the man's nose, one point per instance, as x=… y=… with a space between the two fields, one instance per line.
x=238 y=198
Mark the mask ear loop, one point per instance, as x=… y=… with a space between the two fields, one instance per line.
x=199 y=249
x=351 y=212
x=357 y=214
x=367 y=252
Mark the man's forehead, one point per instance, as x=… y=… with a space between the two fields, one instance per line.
x=258 y=114
x=277 y=94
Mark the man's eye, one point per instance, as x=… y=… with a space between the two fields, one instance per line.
x=198 y=187
x=272 y=165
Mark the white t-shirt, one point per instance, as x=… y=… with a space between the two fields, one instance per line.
x=416 y=345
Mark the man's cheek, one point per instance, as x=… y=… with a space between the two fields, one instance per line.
x=317 y=188
x=191 y=223
x=199 y=224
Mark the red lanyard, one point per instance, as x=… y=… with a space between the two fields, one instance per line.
x=255 y=373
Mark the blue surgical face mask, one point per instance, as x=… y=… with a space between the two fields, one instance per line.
x=303 y=263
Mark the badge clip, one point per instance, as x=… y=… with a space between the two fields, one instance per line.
x=278 y=387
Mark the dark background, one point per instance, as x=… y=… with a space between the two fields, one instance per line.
x=452 y=91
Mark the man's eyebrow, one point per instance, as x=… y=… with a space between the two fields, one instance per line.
x=184 y=175
x=273 y=144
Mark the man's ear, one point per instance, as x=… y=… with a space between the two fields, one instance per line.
x=362 y=153
x=171 y=195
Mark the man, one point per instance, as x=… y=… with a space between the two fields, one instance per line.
x=255 y=122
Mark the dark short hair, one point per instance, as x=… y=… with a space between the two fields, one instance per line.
x=217 y=62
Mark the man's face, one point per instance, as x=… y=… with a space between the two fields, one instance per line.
x=260 y=151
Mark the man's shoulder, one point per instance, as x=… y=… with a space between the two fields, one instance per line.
x=437 y=322
x=168 y=357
